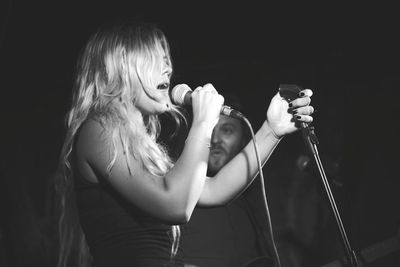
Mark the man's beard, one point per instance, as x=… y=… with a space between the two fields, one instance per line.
x=215 y=164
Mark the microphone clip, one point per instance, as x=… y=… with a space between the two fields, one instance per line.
x=228 y=111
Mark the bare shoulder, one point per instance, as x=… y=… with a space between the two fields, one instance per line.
x=93 y=149
x=92 y=137
x=101 y=158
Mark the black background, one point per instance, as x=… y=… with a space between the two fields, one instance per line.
x=347 y=54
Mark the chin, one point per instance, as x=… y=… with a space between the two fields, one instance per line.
x=163 y=107
x=215 y=167
x=156 y=110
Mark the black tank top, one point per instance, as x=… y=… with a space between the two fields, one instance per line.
x=120 y=234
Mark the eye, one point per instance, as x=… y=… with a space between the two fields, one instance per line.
x=163 y=86
x=227 y=130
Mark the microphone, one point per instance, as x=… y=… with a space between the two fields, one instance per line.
x=181 y=95
x=290 y=92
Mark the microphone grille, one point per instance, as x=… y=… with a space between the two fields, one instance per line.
x=178 y=93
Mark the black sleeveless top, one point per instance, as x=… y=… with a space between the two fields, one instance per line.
x=120 y=234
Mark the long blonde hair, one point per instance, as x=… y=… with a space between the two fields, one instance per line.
x=117 y=64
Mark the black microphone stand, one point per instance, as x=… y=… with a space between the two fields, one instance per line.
x=311 y=141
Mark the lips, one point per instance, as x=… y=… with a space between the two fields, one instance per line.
x=217 y=151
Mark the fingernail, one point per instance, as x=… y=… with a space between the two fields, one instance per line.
x=297 y=117
x=302 y=94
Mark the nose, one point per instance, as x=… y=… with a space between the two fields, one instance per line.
x=215 y=136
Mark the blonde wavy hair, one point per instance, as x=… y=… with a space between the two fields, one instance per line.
x=117 y=64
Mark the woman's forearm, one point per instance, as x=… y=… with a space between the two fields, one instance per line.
x=237 y=174
x=185 y=181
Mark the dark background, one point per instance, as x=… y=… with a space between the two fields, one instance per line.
x=347 y=54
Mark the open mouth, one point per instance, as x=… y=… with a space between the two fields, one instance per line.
x=163 y=86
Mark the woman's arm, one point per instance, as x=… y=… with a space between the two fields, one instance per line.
x=236 y=175
x=171 y=198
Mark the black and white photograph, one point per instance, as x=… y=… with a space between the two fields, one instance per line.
x=199 y=134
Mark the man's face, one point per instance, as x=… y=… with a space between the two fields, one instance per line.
x=226 y=142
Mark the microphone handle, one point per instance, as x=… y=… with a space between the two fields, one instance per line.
x=182 y=94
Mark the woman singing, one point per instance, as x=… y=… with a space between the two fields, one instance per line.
x=122 y=197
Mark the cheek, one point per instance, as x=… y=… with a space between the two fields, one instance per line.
x=234 y=145
x=145 y=104
x=163 y=98
x=158 y=105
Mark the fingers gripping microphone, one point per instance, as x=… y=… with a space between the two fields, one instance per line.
x=181 y=94
x=290 y=92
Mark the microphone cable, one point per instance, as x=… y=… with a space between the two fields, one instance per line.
x=268 y=216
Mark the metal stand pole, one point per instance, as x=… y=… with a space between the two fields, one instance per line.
x=312 y=141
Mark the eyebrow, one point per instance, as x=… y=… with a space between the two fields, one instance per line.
x=229 y=124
